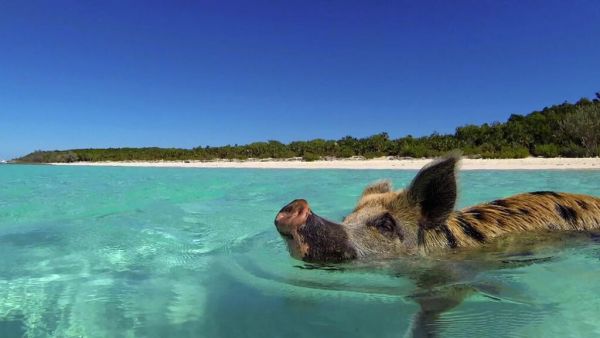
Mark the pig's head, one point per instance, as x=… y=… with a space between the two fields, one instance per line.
x=384 y=223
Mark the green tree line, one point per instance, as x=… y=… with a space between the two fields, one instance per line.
x=567 y=130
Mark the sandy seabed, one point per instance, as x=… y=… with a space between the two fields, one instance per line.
x=530 y=163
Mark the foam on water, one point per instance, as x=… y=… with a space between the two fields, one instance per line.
x=149 y=252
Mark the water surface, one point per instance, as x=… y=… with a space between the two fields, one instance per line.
x=157 y=252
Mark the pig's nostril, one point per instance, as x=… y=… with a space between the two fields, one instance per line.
x=280 y=216
x=292 y=216
x=287 y=208
x=295 y=205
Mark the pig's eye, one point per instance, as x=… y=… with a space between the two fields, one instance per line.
x=385 y=224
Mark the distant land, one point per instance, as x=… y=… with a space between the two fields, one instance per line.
x=563 y=130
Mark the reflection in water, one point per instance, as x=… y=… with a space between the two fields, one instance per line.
x=253 y=289
x=463 y=295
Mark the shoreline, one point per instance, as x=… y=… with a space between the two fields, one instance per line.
x=530 y=163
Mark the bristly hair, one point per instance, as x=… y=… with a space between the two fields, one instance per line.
x=381 y=186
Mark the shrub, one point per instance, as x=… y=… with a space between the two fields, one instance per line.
x=346 y=152
x=573 y=150
x=507 y=152
x=309 y=157
x=547 y=150
x=514 y=152
x=416 y=151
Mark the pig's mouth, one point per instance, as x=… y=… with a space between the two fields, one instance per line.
x=288 y=237
x=310 y=237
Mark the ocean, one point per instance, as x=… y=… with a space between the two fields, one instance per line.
x=174 y=252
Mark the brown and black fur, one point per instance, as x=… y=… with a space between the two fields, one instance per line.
x=540 y=211
x=425 y=218
x=421 y=221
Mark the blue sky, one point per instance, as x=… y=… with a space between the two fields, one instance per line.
x=186 y=73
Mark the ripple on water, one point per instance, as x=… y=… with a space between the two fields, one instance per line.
x=107 y=252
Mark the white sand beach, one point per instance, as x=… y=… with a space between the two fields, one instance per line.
x=530 y=163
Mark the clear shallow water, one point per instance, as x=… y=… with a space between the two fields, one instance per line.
x=151 y=252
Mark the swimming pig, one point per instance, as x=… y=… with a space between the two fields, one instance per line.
x=421 y=220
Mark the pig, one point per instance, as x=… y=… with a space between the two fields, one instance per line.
x=421 y=220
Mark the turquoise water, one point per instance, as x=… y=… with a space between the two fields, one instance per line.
x=157 y=252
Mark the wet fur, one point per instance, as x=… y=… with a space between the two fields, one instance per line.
x=518 y=225
x=531 y=212
x=427 y=224
x=430 y=225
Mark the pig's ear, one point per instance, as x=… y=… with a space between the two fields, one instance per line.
x=434 y=190
x=378 y=188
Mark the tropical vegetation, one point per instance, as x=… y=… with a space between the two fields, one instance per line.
x=567 y=130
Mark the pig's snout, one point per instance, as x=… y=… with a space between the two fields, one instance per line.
x=310 y=237
x=291 y=217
